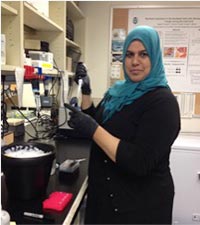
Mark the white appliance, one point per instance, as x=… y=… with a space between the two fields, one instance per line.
x=185 y=167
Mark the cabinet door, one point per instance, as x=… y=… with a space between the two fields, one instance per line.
x=185 y=166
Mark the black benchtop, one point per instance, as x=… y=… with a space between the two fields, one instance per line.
x=71 y=148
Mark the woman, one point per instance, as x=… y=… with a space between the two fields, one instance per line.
x=132 y=130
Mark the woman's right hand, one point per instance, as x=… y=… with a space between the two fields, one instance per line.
x=81 y=73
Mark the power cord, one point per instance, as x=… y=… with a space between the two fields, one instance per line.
x=25 y=117
x=4 y=125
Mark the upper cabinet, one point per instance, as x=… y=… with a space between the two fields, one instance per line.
x=21 y=21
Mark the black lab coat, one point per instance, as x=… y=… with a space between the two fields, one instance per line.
x=138 y=188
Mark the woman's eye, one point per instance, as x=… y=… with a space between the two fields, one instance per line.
x=129 y=54
x=144 y=54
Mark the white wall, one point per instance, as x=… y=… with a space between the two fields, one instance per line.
x=97 y=45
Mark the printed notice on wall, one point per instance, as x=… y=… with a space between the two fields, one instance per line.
x=179 y=31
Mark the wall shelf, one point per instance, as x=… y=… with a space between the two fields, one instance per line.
x=72 y=44
x=38 y=21
x=21 y=20
x=29 y=23
x=73 y=11
x=8 y=68
x=7 y=10
x=116 y=53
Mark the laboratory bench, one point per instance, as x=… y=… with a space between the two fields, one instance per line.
x=68 y=148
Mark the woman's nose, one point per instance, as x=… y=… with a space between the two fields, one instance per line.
x=135 y=60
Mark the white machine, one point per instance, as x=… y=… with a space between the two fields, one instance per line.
x=185 y=167
x=42 y=59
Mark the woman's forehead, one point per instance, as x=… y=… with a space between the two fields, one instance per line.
x=137 y=45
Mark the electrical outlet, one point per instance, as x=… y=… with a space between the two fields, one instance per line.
x=175 y=222
x=196 y=216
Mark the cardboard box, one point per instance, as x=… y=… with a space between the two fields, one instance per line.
x=32 y=44
x=8 y=138
x=17 y=126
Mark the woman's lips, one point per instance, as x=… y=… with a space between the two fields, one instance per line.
x=135 y=71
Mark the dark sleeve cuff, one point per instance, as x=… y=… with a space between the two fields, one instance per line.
x=90 y=111
x=120 y=156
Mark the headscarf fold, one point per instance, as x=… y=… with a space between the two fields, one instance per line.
x=125 y=92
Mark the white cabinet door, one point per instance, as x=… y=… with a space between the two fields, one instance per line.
x=185 y=167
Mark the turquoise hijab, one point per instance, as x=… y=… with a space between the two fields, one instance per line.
x=125 y=92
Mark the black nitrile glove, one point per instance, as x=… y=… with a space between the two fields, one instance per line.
x=81 y=73
x=81 y=122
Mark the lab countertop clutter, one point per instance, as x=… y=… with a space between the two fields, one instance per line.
x=61 y=200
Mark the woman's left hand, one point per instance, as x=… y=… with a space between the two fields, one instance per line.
x=81 y=122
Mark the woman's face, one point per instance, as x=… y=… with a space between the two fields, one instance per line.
x=137 y=62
